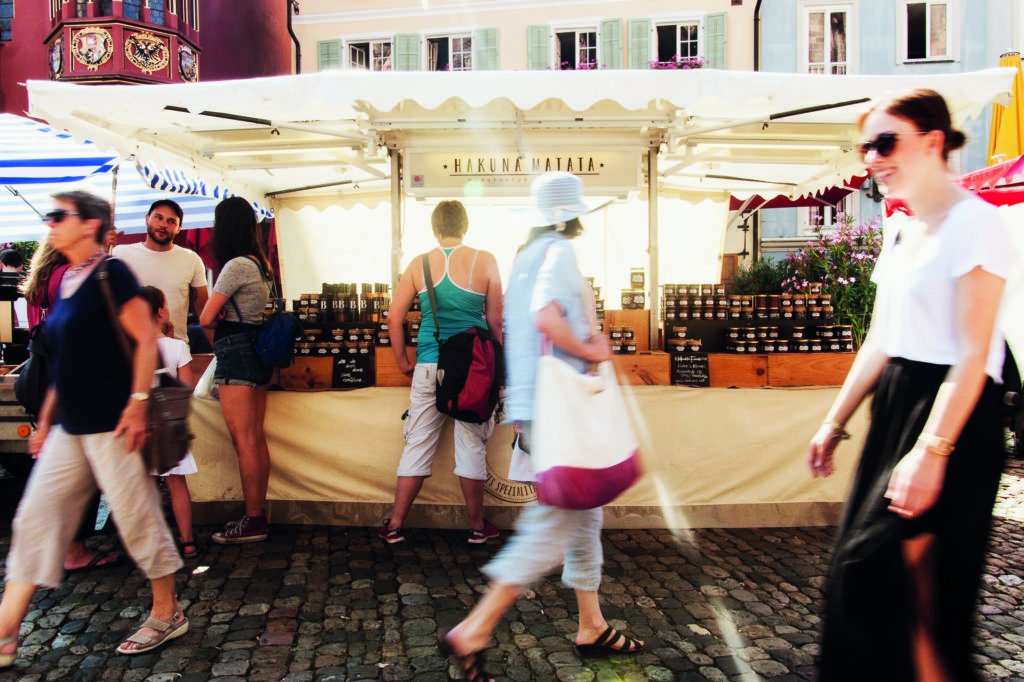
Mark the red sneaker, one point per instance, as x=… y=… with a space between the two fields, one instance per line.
x=478 y=537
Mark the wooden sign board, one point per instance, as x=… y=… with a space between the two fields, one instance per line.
x=352 y=370
x=690 y=369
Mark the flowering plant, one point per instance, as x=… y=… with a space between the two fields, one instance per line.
x=842 y=260
x=678 y=62
x=26 y=249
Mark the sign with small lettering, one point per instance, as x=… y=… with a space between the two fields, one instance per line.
x=352 y=370
x=690 y=369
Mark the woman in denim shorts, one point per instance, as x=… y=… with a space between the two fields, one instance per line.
x=235 y=312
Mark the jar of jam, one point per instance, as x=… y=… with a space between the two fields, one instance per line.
x=833 y=345
x=787 y=313
x=719 y=290
x=814 y=288
x=709 y=313
x=827 y=332
x=768 y=346
x=814 y=312
x=816 y=346
x=304 y=301
x=692 y=290
x=323 y=349
x=683 y=314
x=740 y=346
x=615 y=332
x=825 y=299
x=629 y=347
x=812 y=301
x=670 y=314
x=762 y=333
x=334 y=348
x=845 y=331
x=782 y=346
x=798 y=333
x=384 y=339
x=760 y=301
x=802 y=346
x=750 y=333
x=733 y=333
x=735 y=300
x=676 y=346
x=762 y=313
x=693 y=345
x=304 y=348
x=668 y=289
x=617 y=347
x=721 y=301
x=721 y=313
x=753 y=347
x=627 y=333
x=709 y=301
x=747 y=312
x=773 y=332
x=746 y=300
x=786 y=301
x=678 y=332
x=847 y=345
x=735 y=312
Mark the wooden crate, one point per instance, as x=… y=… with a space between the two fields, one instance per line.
x=809 y=369
x=307 y=373
x=638 y=319
x=650 y=368
x=741 y=371
x=387 y=368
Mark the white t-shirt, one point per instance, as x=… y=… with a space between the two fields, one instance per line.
x=172 y=272
x=175 y=353
x=915 y=314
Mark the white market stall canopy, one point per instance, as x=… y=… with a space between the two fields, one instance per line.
x=305 y=139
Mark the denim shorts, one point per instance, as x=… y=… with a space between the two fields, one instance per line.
x=238 y=364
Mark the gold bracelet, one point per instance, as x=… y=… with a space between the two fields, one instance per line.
x=942 y=447
x=838 y=431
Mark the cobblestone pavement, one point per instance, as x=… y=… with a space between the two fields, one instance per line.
x=333 y=603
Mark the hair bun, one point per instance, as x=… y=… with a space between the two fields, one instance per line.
x=954 y=139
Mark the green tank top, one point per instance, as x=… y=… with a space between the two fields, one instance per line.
x=458 y=310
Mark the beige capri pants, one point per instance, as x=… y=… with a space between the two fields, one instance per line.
x=64 y=477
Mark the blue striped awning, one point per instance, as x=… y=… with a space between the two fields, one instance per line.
x=31 y=154
x=170 y=180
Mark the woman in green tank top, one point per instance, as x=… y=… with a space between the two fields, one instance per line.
x=467 y=287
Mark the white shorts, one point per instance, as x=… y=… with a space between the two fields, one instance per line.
x=422 y=430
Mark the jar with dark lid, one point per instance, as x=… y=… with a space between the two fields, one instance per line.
x=816 y=346
x=733 y=333
x=740 y=346
x=773 y=332
x=617 y=347
x=782 y=346
x=762 y=333
x=833 y=345
x=753 y=347
x=762 y=313
x=768 y=346
x=750 y=333
x=845 y=331
x=629 y=347
x=615 y=332
x=669 y=301
x=802 y=346
x=798 y=332
x=787 y=314
x=847 y=345
x=627 y=333
x=827 y=332
x=679 y=332
x=670 y=314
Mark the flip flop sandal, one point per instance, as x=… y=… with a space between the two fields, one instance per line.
x=471 y=664
x=166 y=630
x=7 y=660
x=611 y=641
x=98 y=561
x=190 y=549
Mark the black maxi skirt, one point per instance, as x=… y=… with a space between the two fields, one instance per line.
x=869 y=599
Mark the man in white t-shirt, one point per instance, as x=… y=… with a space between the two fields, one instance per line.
x=160 y=263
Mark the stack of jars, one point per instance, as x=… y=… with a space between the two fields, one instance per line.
x=683 y=302
x=623 y=339
x=767 y=339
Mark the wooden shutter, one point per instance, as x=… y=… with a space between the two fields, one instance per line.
x=538 y=46
x=715 y=43
x=611 y=43
x=328 y=54
x=639 y=43
x=406 y=49
x=485 y=49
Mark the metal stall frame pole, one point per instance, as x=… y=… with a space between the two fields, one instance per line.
x=652 y=247
x=396 y=218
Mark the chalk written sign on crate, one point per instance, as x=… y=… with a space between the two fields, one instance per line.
x=690 y=369
x=352 y=370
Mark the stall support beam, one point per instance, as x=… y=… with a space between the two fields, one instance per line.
x=396 y=218
x=652 y=245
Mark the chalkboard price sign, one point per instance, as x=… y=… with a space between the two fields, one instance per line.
x=690 y=369
x=353 y=370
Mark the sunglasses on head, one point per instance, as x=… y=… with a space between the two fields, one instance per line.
x=884 y=144
x=58 y=215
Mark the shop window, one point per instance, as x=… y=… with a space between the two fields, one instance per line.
x=156 y=12
x=373 y=55
x=6 y=16
x=828 y=38
x=677 y=41
x=576 y=49
x=928 y=29
x=450 y=53
x=132 y=9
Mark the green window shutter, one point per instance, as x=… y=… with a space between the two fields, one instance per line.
x=328 y=54
x=485 y=49
x=611 y=43
x=639 y=43
x=715 y=44
x=407 y=52
x=538 y=47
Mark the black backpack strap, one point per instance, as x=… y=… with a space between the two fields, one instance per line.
x=428 y=279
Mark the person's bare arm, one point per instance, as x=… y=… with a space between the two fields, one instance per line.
x=401 y=301
x=493 y=309
x=46 y=414
x=552 y=323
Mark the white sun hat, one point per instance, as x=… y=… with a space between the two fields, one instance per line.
x=557 y=198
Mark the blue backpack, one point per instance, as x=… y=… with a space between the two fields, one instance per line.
x=275 y=342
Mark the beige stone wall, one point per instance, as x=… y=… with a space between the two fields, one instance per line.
x=331 y=19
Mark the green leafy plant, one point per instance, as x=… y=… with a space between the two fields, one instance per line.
x=763 y=276
x=26 y=249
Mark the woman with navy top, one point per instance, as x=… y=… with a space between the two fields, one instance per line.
x=467 y=286
x=90 y=429
x=911 y=545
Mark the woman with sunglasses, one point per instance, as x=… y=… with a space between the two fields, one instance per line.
x=911 y=545
x=90 y=429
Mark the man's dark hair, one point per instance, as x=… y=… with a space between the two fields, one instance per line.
x=90 y=207
x=173 y=205
x=11 y=258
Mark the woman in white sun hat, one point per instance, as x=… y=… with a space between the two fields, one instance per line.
x=546 y=300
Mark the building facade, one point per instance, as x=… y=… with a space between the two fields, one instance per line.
x=882 y=37
x=478 y=35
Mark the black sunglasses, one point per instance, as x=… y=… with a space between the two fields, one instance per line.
x=884 y=144
x=57 y=216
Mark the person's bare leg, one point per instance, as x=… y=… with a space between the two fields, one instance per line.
x=80 y=555
x=473 y=633
x=473 y=491
x=919 y=556
x=240 y=407
x=181 y=505
x=261 y=441
x=165 y=605
x=406 y=490
x=13 y=607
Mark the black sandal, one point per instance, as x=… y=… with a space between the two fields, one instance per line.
x=611 y=641
x=471 y=664
x=190 y=549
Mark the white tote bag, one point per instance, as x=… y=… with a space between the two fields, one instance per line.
x=205 y=388
x=585 y=449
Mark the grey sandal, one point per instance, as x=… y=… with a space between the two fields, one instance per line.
x=166 y=630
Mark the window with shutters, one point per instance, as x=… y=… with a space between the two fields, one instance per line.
x=576 y=48
x=927 y=30
x=828 y=38
x=373 y=55
x=449 y=52
x=678 y=41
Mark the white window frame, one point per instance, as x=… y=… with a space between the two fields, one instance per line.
x=347 y=41
x=850 y=206
x=677 y=18
x=953 y=30
x=589 y=25
x=449 y=33
x=805 y=7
